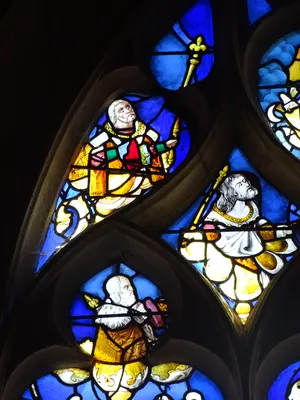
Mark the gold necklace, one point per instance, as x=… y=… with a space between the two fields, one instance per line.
x=141 y=128
x=234 y=219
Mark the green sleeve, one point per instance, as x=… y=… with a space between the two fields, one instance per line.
x=161 y=147
x=111 y=154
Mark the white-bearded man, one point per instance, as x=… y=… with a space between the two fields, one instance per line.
x=112 y=169
x=241 y=250
x=121 y=343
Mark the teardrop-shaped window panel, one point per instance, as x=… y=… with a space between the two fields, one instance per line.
x=186 y=54
x=238 y=234
x=170 y=381
x=287 y=384
x=279 y=90
x=132 y=148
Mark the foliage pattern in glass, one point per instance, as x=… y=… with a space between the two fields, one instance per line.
x=134 y=145
x=186 y=54
x=239 y=234
x=279 y=90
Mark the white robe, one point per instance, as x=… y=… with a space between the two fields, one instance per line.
x=235 y=281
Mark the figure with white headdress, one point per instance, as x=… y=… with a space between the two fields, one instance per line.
x=123 y=159
x=123 y=338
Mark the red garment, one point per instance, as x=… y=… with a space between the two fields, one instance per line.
x=132 y=158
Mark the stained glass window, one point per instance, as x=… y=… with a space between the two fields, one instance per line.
x=121 y=293
x=118 y=318
x=133 y=146
x=287 y=384
x=257 y=9
x=278 y=90
x=238 y=234
x=186 y=54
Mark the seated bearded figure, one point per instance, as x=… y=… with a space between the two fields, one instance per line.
x=124 y=158
x=240 y=249
x=124 y=335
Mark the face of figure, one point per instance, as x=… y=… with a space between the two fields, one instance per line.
x=124 y=114
x=243 y=188
x=120 y=290
x=295 y=392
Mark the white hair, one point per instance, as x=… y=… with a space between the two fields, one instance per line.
x=113 y=287
x=111 y=110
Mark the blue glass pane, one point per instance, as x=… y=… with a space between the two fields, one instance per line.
x=169 y=65
x=176 y=65
x=294 y=217
x=116 y=166
x=27 y=395
x=278 y=90
x=286 y=385
x=95 y=285
x=124 y=269
x=230 y=247
x=145 y=288
x=50 y=388
x=82 y=333
x=80 y=308
x=274 y=205
x=257 y=9
x=206 y=386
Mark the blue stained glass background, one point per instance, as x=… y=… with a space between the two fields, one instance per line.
x=51 y=389
x=170 y=69
x=274 y=206
x=152 y=111
x=94 y=286
x=257 y=9
x=281 y=387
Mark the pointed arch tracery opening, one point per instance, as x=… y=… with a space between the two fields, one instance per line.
x=166 y=204
x=95 y=269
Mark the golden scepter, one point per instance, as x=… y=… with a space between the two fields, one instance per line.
x=195 y=47
x=218 y=181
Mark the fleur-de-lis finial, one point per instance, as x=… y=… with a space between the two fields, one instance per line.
x=198 y=46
